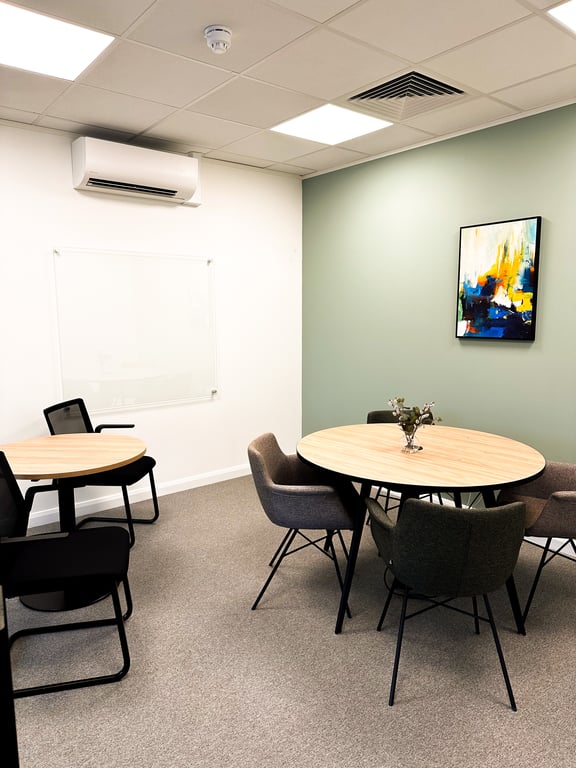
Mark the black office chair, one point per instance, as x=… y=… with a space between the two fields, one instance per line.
x=94 y=560
x=443 y=552
x=299 y=498
x=72 y=416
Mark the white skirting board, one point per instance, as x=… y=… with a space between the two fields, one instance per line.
x=138 y=492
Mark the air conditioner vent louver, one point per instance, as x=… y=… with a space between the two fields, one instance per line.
x=407 y=95
x=109 y=184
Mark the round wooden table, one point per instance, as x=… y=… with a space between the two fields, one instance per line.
x=63 y=458
x=451 y=459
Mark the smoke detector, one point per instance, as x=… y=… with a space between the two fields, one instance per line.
x=218 y=38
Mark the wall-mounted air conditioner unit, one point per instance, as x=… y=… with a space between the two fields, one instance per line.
x=122 y=169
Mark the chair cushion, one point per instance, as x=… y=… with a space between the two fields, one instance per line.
x=127 y=475
x=51 y=562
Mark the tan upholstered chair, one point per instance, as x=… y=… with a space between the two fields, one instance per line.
x=550 y=512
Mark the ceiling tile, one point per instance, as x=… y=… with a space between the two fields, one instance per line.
x=84 y=129
x=298 y=170
x=257 y=29
x=275 y=147
x=319 y=10
x=29 y=91
x=154 y=75
x=113 y=16
x=330 y=157
x=461 y=116
x=17 y=115
x=558 y=87
x=319 y=64
x=387 y=139
x=231 y=157
x=509 y=56
x=193 y=128
x=442 y=24
x=85 y=104
x=255 y=103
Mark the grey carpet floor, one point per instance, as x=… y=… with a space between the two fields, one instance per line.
x=214 y=684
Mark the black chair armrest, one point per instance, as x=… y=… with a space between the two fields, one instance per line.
x=100 y=427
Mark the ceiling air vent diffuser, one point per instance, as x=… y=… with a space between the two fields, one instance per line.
x=406 y=96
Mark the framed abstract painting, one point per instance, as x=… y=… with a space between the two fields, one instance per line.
x=498 y=280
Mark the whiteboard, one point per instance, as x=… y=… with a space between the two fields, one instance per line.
x=134 y=329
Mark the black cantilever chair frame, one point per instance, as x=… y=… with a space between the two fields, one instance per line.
x=71 y=416
x=301 y=499
x=91 y=559
x=445 y=552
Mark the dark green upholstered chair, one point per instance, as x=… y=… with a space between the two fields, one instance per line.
x=445 y=552
x=91 y=561
x=550 y=512
x=301 y=499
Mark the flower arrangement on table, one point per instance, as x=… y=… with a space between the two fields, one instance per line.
x=410 y=418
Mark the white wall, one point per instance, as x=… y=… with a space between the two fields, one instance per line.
x=249 y=223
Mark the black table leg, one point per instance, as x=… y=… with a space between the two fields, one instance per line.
x=515 y=605
x=352 y=557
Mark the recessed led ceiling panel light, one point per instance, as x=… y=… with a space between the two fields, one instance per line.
x=331 y=125
x=47 y=46
x=565 y=14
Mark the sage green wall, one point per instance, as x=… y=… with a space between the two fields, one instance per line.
x=380 y=250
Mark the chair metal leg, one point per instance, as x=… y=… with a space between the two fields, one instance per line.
x=7 y=714
x=541 y=565
x=394 y=586
x=271 y=563
x=475 y=612
x=155 y=516
x=515 y=605
x=500 y=654
x=398 y=646
x=117 y=621
x=288 y=541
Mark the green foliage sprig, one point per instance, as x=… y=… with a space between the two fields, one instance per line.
x=410 y=417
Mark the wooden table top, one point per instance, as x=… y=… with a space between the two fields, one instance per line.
x=451 y=459
x=57 y=456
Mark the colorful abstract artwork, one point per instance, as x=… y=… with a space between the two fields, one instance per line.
x=497 y=280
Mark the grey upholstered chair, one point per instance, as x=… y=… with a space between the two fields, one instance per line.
x=550 y=512
x=444 y=552
x=301 y=499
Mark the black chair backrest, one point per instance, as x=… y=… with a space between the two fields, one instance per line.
x=69 y=417
x=442 y=550
x=381 y=417
x=13 y=508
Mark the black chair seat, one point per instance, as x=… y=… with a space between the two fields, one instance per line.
x=127 y=475
x=51 y=562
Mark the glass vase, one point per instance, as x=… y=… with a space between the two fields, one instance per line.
x=410 y=445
